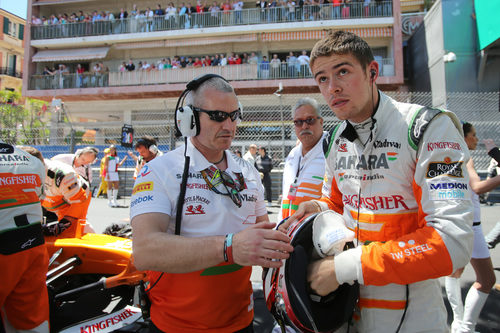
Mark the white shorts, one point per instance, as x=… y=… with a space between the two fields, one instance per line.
x=113 y=177
x=480 y=249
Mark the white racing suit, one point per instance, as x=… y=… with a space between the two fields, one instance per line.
x=405 y=194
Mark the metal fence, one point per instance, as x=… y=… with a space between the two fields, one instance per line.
x=175 y=21
x=267 y=122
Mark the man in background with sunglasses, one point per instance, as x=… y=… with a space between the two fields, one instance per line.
x=200 y=279
x=305 y=165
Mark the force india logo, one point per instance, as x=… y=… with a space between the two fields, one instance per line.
x=447 y=167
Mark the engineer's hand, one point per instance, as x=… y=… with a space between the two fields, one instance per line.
x=260 y=244
x=305 y=209
x=321 y=276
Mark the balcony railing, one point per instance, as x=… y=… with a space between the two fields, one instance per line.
x=261 y=71
x=10 y=72
x=140 y=23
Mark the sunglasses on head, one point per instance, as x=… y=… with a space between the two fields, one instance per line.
x=308 y=121
x=220 y=116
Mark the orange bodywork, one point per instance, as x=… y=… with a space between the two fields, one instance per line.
x=99 y=253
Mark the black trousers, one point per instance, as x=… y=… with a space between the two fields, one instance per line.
x=266 y=181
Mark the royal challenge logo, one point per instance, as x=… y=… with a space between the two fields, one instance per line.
x=446 y=167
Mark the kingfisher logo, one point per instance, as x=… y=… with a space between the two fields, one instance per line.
x=446 y=167
x=370 y=162
x=375 y=202
x=443 y=145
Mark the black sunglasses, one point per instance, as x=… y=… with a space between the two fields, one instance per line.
x=308 y=121
x=220 y=116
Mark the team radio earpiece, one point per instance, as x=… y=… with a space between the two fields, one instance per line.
x=187 y=122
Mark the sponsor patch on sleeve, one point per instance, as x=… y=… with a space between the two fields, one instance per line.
x=446 y=167
x=448 y=189
x=143 y=187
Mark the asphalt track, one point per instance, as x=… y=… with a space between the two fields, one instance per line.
x=101 y=216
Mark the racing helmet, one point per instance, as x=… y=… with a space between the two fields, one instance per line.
x=288 y=295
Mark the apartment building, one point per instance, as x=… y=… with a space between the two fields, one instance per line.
x=79 y=63
x=11 y=50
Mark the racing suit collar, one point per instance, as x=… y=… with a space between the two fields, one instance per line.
x=349 y=131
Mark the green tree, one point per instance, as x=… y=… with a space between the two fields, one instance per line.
x=22 y=124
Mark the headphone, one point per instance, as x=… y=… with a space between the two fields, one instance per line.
x=187 y=122
x=148 y=144
x=372 y=74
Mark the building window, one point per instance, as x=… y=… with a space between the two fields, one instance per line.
x=13 y=29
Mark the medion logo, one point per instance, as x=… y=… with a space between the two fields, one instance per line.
x=449 y=186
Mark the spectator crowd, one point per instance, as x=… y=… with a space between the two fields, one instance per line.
x=203 y=14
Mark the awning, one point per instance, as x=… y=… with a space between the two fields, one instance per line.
x=71 y=54
x=199 y=41
x=319 y=34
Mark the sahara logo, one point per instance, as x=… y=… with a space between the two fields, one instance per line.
x=369 y=162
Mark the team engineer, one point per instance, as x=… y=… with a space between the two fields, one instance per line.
x=305 y=165
x=24 y=302
x=147 y=149
x=81 y=161
x=398 y=176
x=68 y=196
x=225 y=229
